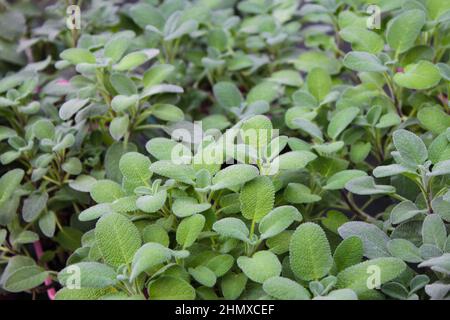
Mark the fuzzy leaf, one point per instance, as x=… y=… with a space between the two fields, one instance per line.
x=152 y=203
x=363 y=62
x=167 y=112
x=227 y=94
x=421 y=76
x=389 y=170
x=78 y=55
x=116 y=47
x=232 y=228
x=404 y=211
x=117 y=238
x=9 y=183
x=440 y=169
x=341 y=120
x=220 y=264
x=119 y=127
x=285 y=289
x=105 y=191
x=169 y=169
x=171 y=288
x=261 y=266
x=257 y=198
x=186 y=206
x=434 y=119
x=278 y=220
x=34 y=205
x=319 y=83
x=155 y=233
x=348 y=253
x=203 y=275
x=233 y=285
x=135 y=167
x=135 y=59
x=299 y=193
x=25 y=278
x=356 y=277
x=439 y=264
x=339 y=180
x=157 y=74
x=309 y=127
x=309 y=252
x=148 y=256
x=233 y=176
x=122 y=103
x=189 y=229
x=83 y=183
x=434 y=231
x=365 y=185
x=294 y=160
x=403 y=30
x=92 y=275
x=95 y=212
x=405 y=250
x=374 y=239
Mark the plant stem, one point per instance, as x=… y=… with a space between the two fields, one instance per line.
x=354 y=207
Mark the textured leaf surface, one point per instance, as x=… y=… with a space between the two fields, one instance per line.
x=227 y=94
x=117 y=238
x=135 y=167
x=261 y=266
x=105 y=191
x=257 y=198
x=309 y=252
x=189 y=229
x=152 y=203
x=340 y=179
x=278 y=220
x=374 y=239
x=285 y=289
x=25 y=278
x=81 y=294
x=421 y=76
x=348 y=253
x=405 y=250
x=9 y=182
x=403 y=30
x=341 y=120
x=169 y=169
x=234 y=175
x=232 y=228
x=434 y=231
x=186 y=206
x=203 y=275
x=92 y=275
x=356 y=277
x=233 y=285
x=147 y=256
x=171 y=288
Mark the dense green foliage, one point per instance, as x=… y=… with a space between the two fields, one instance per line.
x=128 y=150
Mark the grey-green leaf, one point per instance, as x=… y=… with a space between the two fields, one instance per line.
x=285 y=289
x=232 y=228
x=148 y=256
x=117 y=238
x=310 y=253
x=261 y=266
x=374 y=239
